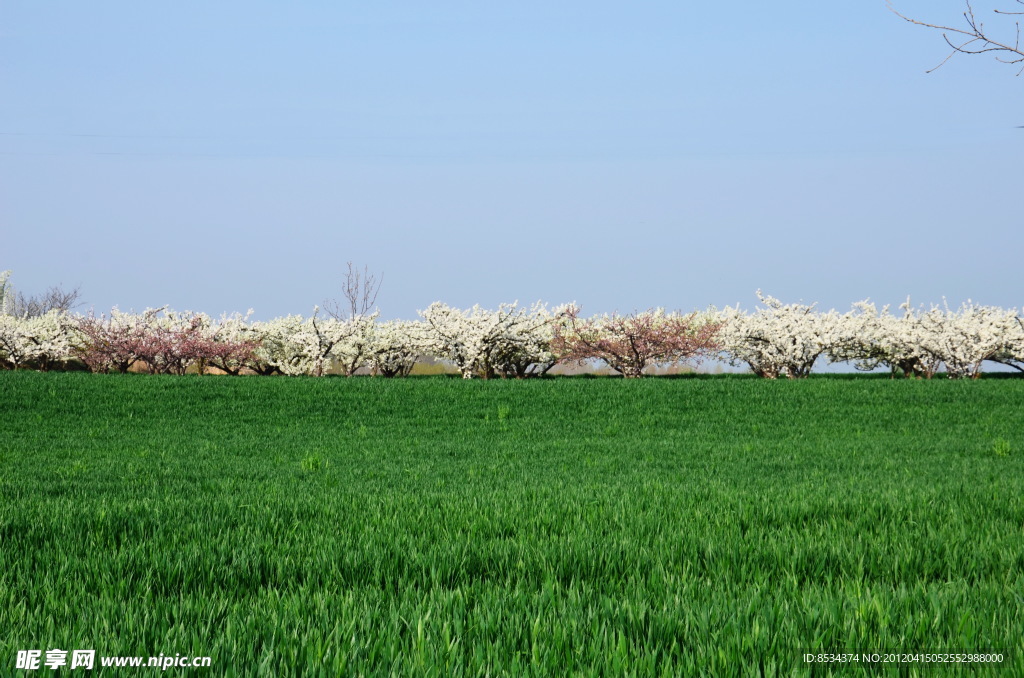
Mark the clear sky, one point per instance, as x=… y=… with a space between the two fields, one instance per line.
x=221 y=156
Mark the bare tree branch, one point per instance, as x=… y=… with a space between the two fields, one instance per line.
x=54 y=299
x=360 y=291
x=978 y=40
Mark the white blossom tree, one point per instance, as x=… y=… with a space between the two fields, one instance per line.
x=295 y=346
x=42 y=341
x=923 y=340
x=352 y=350
x=510 y=341
x=395 y=346
x=780 y=340
x=878 y=338
x=1013 y=354
x=5 y=287
x=965 y=338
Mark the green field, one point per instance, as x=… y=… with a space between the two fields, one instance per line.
x=572 y=526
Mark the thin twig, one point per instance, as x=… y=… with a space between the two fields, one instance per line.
x=976 y=33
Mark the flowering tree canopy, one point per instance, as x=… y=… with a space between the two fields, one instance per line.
x=394 y=347
x=775 y=340
x=630 y=343
x=42 y=341
x=510 y=341
x=780 y=340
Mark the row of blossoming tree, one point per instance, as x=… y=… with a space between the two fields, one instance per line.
x=775 y=340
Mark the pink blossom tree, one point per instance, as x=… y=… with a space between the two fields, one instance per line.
x=172 y=343
x=166 y=344
x=110 y=343
x=630 y=343
x=228 y=355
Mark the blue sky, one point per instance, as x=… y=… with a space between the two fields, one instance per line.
x=234 y=155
